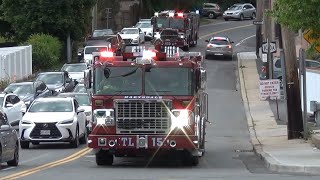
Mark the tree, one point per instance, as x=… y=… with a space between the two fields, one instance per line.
x=297 y=15
x=57 y=18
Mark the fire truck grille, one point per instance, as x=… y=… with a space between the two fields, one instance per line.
x=149 y=117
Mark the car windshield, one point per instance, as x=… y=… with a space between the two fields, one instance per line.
x=90 y=50
x=1 y=101
x=99 y=33
x=118 y=80
x=219 y=42
x=129 y=31
x=74 y=67
x=82 y=99
x=20 y=89
x=235 y=7
x=80 y=89
x=143 y=25
x=51 y=78
x=51 y=106
x=173 y=81
x=175 y=23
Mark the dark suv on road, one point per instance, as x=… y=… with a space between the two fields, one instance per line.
x=211 y=10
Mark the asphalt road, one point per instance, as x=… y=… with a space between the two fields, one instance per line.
x=228 y=150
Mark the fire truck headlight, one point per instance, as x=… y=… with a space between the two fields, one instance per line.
x=181 y=36
x=181 y=118
x=157 y=36
x=104 y=116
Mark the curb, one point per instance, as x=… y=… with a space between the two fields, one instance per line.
x=271 y=163
x=315 y=138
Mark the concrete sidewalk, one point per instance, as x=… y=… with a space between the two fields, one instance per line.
x=269 y=139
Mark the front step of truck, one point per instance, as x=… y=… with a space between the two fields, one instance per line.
x=103 y=158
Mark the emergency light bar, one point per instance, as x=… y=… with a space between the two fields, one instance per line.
x=106 y=54
x=180 y=14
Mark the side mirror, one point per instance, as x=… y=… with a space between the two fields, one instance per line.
x=207 y=41
x=68 y=80
x=5 y=127
x=80 y=109
x=87 y=78
x=231 y=42
x=39 y=92
x=9 y=105
x=203 y=79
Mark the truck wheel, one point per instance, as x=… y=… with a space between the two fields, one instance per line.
x=24 y=144
x=103 y=158
x=189 y=160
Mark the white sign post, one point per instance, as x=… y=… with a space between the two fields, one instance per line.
x=270 y=88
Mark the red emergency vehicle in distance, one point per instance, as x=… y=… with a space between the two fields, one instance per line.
x=146 y=107
x=176 y=29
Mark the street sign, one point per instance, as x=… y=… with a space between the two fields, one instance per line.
x=273 y=47
x=310 y=40
x=257 y=22
x=270 y=88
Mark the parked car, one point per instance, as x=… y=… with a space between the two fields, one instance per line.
x=102 y=32
x=53 y=119
x=28 y=91
x=84 y=101
x=75 y=70
x=80 y=55
x=132 y=36
x=13 y=107
x=219 y=46
x=9 y=143
x=240 y=11
x=211 y=10
x=147 y=29
x=57 y=81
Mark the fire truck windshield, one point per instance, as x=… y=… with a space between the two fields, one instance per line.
x=114 y=80
x=175 y=23
x=169 y=81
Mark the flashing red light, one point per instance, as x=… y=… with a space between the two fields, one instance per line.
x=106 y=54
x=180 y=14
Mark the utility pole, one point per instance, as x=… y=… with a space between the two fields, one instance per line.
x=108 y=16
x=94 y=17
x=268 y=36
x=258 y=27
x=295 y=122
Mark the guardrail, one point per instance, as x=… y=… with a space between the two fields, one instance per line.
x=15 y=63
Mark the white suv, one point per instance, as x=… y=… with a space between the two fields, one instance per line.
x=53 y=119
x=13 y=107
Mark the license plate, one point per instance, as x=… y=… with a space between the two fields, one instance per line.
x=143 y=142
x=218 y=54
x=44 y=132
x=137 y=54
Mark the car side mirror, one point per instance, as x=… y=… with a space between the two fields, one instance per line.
x=5 y=127
x=9 y=105
x=39 y=92
x=68 y=80
x=203 y=79
x=80 y=109
x=207 y=41
x=231 y=42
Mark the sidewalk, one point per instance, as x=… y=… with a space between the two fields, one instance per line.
x=269 y=139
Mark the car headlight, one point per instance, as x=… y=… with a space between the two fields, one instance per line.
x=181 y=118
x=181 y=36
x=70 y=121
x=26 y=122
x=104 y=117
x=59 y=89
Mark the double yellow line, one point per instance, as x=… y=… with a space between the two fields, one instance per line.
x=48 y=165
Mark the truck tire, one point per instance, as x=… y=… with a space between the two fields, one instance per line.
x=189 y=160
x=103 y=158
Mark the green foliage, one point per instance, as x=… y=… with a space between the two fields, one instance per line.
x=2 y=39
x=57 y=17
x=46 y=51
x=297 y=15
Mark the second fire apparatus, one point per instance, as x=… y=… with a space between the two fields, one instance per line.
x=148 y=106
x=176 y=28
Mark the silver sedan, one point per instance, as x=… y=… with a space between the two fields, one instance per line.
x=219 y=46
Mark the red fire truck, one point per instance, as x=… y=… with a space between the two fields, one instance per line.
x=176 y=28
x=151 y=105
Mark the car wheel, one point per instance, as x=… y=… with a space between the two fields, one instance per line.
x=25 y=144
x=253 y=16
x=226 y=19
x=211 y=15
x=15 y=160
x=206 y=56
x=103 y=158
x=241 y=17
x=75 y=143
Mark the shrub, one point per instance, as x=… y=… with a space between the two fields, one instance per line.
x=2 y=39
x=46 y=51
